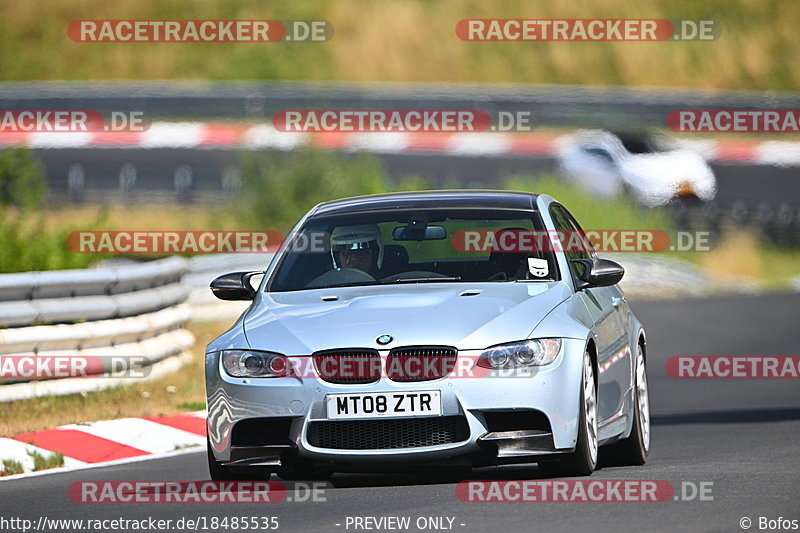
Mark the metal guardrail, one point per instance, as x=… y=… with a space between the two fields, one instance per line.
x=131 y=310
x=87 y=282
x=562 y=105
x=71 y=295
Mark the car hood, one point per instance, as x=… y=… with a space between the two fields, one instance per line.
x=300 y=322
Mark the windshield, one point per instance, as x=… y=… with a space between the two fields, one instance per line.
x=420 y=246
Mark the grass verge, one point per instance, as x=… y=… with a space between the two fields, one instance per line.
x=414 y=40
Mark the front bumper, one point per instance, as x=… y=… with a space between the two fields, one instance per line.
x=487 y=407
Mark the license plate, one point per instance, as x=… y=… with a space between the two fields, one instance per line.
x=384 y=404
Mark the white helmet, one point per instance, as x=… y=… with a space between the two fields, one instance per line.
x=360 y=237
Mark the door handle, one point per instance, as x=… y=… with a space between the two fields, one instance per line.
x=616 y=301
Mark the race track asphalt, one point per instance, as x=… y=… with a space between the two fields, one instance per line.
x=740 y=434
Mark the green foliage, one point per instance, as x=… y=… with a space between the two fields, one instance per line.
x=278 y=188
x=412 y=183
x=21 y=179
x=193 y=406
x=11 y=467
x=41 y=462
x=26 y=244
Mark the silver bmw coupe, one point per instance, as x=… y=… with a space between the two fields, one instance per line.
x=396 y=331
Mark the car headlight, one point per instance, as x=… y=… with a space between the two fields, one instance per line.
x=253 y=364
x=533 y=352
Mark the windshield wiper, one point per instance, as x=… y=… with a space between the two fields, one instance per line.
x=418 y=280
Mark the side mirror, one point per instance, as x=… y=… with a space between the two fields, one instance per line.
x=234 y=286
x=600 y=272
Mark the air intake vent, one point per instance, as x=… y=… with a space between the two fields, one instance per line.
x=387 y=434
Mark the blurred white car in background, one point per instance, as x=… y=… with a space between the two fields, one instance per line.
x=657 y=174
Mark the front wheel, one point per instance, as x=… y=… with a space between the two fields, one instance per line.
x=583 y=460
x=633 y=451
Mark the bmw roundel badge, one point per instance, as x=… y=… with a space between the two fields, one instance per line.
x=384 y=339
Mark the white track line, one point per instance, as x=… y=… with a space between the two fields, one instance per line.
x=383 y=142
x=779 y=153
x=173 y=135
x=195 y=135
x=266 y=136
x=60 y=139
x=478 y=144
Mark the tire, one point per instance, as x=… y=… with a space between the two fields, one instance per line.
x=583 y=460
x=220 y=472
x=633 y=451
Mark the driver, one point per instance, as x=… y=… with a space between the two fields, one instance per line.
x=359 y=247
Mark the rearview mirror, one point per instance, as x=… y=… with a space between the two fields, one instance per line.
x=426 y=233
x=599 y=272
x=234 y=286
